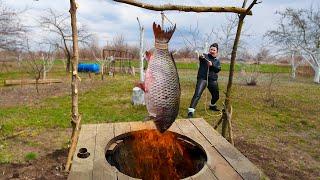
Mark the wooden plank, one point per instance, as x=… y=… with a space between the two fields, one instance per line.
x=217 y=164
x=81 y=169
x=150 y=125
x=121 y=128
x=237 y=160
x=102 y=169
x=136 y=126
x=139 y=125
x=174 y=128
x=204 y=174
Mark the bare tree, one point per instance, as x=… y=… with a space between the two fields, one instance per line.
x=119 y=42
x=299 y=30
x=295 y=61
x=37 y=64
x=58 y=24
x=11 y=29
x=97 y=54
x=184 y=52
x=224 y=35
x=47 y=59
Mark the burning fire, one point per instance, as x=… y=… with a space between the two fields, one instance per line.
x=149 y=154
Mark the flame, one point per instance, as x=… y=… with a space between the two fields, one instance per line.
x=156 y=156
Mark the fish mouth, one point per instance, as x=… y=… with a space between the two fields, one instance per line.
x=162 y=124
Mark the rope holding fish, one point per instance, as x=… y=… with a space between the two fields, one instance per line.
x=163 y=16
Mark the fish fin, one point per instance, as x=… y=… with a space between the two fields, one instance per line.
x=176 y=68
x=148 y=55
x=161 y=35
x=149 y=118
x=141 y=85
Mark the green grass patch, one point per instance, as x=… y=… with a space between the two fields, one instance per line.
x=31 y=156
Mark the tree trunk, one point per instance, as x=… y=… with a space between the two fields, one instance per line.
x=293 y=71
x=102 y=71
x=316 y=78
x=75 y=120
x=68 y=64
x=141 y=54
x=293 y=67
x=44 y=72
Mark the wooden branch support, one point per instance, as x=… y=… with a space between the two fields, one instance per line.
x=229 y=118
x=216 y=125
x=227 y=111
x=74 y=141
x=170 y=7
x=76 y=118
x=30 y=81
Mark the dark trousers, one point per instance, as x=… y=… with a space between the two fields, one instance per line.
x=201 y=85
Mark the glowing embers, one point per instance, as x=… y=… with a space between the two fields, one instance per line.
x=148 y=154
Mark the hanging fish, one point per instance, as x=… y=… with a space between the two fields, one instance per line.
x=161 y=85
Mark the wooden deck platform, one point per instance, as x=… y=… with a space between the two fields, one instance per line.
x=224 y=160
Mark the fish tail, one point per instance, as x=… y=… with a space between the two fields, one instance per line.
x=163 y=36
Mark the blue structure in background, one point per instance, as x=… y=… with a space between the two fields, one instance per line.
x=95 y=68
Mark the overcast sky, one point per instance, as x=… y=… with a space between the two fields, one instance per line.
x=106 y=18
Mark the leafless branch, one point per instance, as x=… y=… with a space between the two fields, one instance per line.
x=170 y=7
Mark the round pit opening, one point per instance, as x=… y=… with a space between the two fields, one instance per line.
x=148 y=154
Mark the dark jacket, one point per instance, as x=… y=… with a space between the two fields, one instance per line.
x=213 y=70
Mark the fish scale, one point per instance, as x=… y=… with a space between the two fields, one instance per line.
x=163 y=87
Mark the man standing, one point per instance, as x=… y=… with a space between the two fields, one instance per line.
x=207 y=79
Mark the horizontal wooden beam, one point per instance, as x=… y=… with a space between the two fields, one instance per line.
x=30 y=81
x=170 y=7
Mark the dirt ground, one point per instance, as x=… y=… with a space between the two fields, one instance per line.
x=50 y=161
x=49 y=166
x=274 y=163
x=27 y=94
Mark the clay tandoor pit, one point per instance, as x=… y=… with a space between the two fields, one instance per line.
x=148 y=154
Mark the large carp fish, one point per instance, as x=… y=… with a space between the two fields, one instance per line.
x=161 y=85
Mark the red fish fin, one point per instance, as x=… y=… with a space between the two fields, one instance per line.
x=148 y=55
x=163 y=35
x=141 y=85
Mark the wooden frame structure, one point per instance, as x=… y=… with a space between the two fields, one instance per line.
x=227 y=111
x=124 y=59
x=224 y=161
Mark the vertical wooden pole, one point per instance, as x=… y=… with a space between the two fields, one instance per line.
x=75 y=118
x=227 y=113
x=231 y=72
x=141 y=46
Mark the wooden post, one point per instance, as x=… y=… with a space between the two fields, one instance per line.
x=75 y=119
x=227 y=113
x=141 y=46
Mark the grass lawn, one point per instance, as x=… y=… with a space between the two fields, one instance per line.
x=279 y=132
